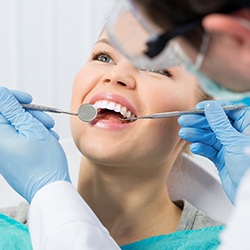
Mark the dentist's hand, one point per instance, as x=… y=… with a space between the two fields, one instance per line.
x=26 y=98
x=30 y=155
x=223 y=137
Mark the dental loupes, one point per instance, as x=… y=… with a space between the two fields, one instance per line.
x=86 y=112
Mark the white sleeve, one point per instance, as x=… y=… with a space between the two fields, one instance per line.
x=60 y=219
x=237 y=233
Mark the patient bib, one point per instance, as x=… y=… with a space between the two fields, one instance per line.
x=13 y=234
x=199 y=239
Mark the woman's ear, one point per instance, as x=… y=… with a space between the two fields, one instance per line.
x=237 y=26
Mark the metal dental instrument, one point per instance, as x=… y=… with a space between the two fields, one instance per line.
x=86 y=112
x=178 y=113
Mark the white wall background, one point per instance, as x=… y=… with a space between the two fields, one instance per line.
x=43 y=43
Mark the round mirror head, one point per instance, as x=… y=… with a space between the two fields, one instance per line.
x=87 y=112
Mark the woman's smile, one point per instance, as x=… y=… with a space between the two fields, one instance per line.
x=112 y=108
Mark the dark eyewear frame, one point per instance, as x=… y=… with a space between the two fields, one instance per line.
x=156 y=45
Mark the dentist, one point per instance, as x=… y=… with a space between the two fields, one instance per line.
x=212 y=39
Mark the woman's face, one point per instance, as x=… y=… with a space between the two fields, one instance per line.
x=109 y=81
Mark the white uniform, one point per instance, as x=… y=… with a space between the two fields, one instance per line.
x=60 y=219
x=237 y=233
x=56 y=224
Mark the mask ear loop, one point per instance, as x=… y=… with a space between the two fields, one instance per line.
x=203 y=49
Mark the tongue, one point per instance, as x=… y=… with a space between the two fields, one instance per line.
x=110 y=116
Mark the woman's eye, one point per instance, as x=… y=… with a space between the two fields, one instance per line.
x=102 y=57
x=164 y=72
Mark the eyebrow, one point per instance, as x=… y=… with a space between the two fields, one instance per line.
x=103 y=40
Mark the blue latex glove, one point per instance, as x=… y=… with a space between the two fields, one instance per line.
x=26 y=98
x=223 y=137
x=30 y=156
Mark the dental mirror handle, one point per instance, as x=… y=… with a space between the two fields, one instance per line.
x=86 y=112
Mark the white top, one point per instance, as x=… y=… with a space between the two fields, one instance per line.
x=65 y=221
x=237 y=233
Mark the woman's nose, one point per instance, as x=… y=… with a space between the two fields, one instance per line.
x=122 y=74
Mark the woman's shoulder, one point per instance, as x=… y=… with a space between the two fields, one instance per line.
x=18 y=213
x=193 y=218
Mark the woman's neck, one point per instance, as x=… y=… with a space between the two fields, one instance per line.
x=130 y=208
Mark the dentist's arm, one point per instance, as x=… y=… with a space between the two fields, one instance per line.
x=221 y=137
x=33 y=162
x=236 y=233
x=60 y=219
x=30 y=155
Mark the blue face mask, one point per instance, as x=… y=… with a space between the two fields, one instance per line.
x=216 y=90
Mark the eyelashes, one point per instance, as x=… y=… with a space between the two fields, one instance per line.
x=102 y=56
x=105 y=57
x=164 y=72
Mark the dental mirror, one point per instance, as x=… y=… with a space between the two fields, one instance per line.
x=86 y=112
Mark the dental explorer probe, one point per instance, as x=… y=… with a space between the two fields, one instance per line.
x=178 y=113
x=86 y=112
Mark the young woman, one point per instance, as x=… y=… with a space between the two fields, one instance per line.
x=125 y=164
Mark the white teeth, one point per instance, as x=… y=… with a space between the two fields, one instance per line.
x=117 y=108
x=103 y=104
x=111 y=106
x=123 y=111
x=96 y=105
x=128 y=114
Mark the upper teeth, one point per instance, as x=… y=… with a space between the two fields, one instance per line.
x=103 y=104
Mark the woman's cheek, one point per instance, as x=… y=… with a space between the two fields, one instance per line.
x=75 y=100
x=82 y=85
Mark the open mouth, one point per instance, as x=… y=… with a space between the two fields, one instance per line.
x=112 y=111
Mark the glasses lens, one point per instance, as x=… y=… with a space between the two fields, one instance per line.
x=129 y=34
x=126 y=31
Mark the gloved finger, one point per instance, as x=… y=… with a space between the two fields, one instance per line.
x=195 y=120
x=241 y=120
x=233 y=115
x=26 y=98
x=21 y=96
x=228 y=185
x=22 y=121
x=204 y=150
x=203 y=104
x=199 y=135
x=54 y=134
x=44 y=118
x=6 y=130
x=3 y=120
x=219 y=122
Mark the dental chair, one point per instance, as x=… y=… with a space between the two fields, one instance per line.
x=200 y=184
